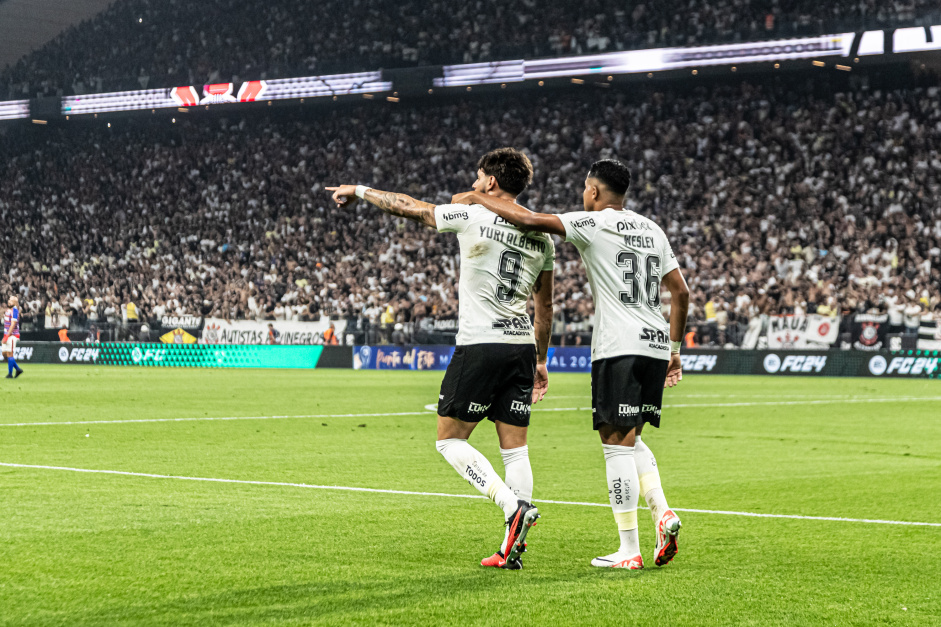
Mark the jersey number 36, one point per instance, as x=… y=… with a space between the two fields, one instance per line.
x=633 y=296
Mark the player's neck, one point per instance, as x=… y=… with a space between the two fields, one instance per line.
x=503 y=195
x=616 y=203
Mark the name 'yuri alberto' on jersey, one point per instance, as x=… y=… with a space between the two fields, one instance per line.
x=499 y=265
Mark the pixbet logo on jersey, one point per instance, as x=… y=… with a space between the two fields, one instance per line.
x=909 y=366
x=794 y=363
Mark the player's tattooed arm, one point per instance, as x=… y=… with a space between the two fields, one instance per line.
x=402 y=206
x=394 y=204
x=517 y=215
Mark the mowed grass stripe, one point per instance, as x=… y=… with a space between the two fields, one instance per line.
x=427 y=409
x=310 y=486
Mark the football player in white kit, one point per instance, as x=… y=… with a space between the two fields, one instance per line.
x=634 y=352
x=499 y=365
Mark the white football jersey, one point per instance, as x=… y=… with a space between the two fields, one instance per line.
x=625 y=255
x=499 y=265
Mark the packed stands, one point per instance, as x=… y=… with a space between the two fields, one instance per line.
x=138 y=44
x=775 y=202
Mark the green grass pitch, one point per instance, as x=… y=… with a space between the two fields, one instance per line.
x=110 y=549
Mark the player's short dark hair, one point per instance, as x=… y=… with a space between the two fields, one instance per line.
x=615 y=175
x=512 y=169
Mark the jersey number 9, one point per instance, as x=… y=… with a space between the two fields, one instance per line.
x=511 y=262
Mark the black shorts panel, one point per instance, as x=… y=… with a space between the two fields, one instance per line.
x=492 y=381
x=627 y=391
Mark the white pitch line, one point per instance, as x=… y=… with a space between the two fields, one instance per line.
x=430 y=408
x=901 y=399
x=455 y=496
x=680 y=396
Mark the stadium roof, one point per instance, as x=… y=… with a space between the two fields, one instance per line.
x=26 y=25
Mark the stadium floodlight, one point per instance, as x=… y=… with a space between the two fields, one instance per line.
x=14 y=110
x=482 y=74
x=638 y=61
x=317 y=86
x=222 y=93
x=872 y=42
x=916 y=39
x=121 y=101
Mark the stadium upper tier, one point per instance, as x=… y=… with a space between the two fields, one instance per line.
x=138 y=43
x=774 y=201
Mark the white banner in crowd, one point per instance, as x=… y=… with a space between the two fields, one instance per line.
x=56 y=321
x=929 y=335
x=219 y=331
x=811 y=331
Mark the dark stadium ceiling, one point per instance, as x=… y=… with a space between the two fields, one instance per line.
x=26 y=25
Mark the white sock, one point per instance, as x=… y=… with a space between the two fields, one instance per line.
x=649 y=478
x=470 y=464
x=519 y=474
x=519 y=477
x=622 y=492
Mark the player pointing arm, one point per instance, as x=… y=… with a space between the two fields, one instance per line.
x=394 y=204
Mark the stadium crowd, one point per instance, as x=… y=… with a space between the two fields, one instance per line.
x=139 y=44
x=774 y=202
